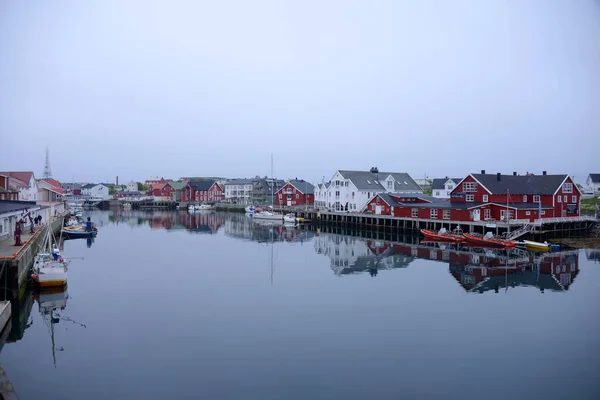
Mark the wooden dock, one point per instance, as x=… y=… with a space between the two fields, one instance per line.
x=546 y=228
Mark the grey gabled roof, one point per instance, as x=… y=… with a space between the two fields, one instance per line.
x=521 y=184
x=88 y=186
x=201 y=186
x=438 y=183
x=595 y=178
x=303 y=186
x=366 y=180
x=239 y=182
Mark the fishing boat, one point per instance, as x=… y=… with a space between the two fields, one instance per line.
x=531 y=245
x=78 y=231
x=442 y=236
x=487 y=240
x=49 y=266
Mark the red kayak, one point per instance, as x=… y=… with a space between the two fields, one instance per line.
x=442 y=237
x=481 y=241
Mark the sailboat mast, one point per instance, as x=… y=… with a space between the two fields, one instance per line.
x=52 y=337
x=272 y=183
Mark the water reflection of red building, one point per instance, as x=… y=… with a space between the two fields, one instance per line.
x=554 y=272
x=203 y=222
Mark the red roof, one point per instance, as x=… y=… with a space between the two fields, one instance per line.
x=158 y=186
x=22 y=176
x=55 y=185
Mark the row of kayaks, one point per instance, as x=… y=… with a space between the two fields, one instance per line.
x=487 y=240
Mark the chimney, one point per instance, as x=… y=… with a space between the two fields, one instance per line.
x=483 y=172
x=499 y=176
x=543 y=172
x=514 y=173
x=117 y=180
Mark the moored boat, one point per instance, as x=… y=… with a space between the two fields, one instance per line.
x=205 y=207
x=531 y=245
x=78 y=231
x=290 y=219
x=268 y=215
x=49 y=267
x=488 y=240
x=442 y=236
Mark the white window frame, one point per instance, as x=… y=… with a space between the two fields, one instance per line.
x=469 y=187
x=470 y=198
x=487 y=214
x=524 y=198
x=433 y=213
x=574 y=199
x=559 y=199
x=485 y=198
x=446 y=214
x=565 y=199
x=567 y=187
x=528 y=213
x=536 y=198
x=414 y=213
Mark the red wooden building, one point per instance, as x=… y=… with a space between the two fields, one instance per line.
x=487 y=197
x=160 y=190
x=208 y=191
x=295 y=193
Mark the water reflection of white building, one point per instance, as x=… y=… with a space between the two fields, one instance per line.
x=350 y=255
x=238 y=226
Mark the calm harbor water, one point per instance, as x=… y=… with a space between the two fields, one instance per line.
x=173 y=305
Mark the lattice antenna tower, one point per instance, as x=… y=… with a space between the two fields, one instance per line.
x=47 y=171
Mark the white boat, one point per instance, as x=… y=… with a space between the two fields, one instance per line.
x=268 y=215
x=49 y=266
x=250 y=209
x=191 y=207
x=204 y=207
x=290 y=219
x=197 y=207
x=127 y=206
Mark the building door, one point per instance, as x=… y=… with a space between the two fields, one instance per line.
x=477 y=214
x=502 y=215
x=289 y=200
x=378 y=210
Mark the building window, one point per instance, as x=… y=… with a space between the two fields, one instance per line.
x=433 y=213
x=574 y=199
x=297 y=196
x=390 y=184
x=543 y=212
x=536 y=198
x=528 y=213
x=485 y=198
x=352 y=194
x=565 y=198
x=469 y=187
x=414 y=213
x=446 y=214
x=377 y=200
x=487 y=214
x=337 y=193
x=470 y=197
x=450 y=187
x=559 y=199
x=568 y=188
x=524 y=198
x=437 y=192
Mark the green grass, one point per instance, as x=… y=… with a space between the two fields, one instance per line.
x=589 y=205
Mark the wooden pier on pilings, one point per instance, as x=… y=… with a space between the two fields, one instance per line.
x=539 y=230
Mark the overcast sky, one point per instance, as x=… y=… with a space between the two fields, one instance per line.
x=176 y=88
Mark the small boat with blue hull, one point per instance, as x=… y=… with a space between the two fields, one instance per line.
x=80 y=231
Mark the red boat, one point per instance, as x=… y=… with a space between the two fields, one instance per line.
x=442 y=236
x=488 y=242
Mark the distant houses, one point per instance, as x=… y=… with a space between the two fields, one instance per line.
x=441 y=187
x=488 y=197
x=351 y=190
x=296 y=192
x=96 y=190
x=593 y=184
